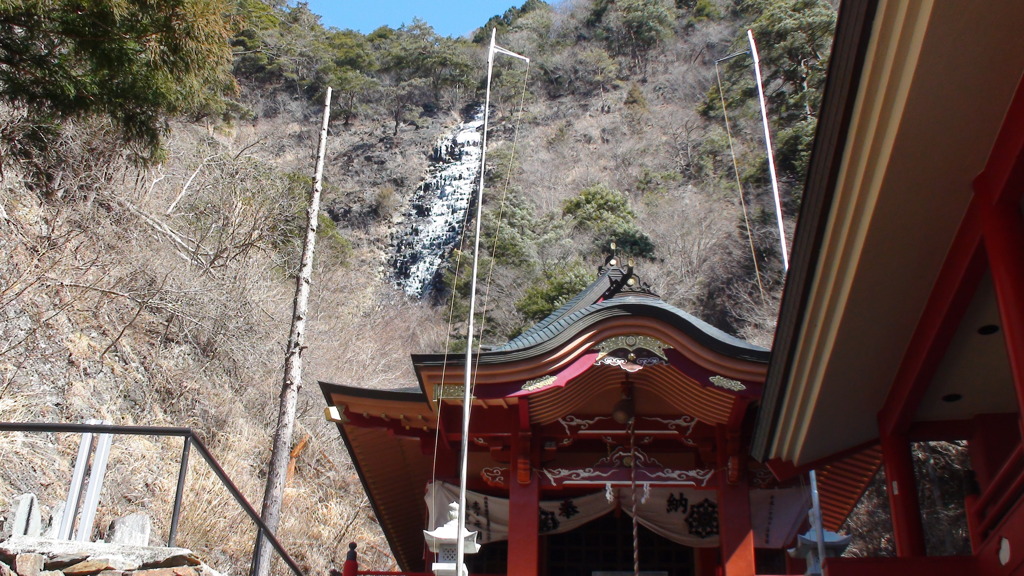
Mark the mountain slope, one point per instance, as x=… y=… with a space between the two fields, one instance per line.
x=159 y=293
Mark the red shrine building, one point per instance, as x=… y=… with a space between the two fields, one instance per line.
x=903 y=314
x=902 y=321
x=617 y=406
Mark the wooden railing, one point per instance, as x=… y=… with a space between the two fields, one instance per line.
x=999 y=497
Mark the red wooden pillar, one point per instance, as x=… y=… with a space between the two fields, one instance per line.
x=706 y=561
x=1004 y=244
x=735 y=533
x=524 y=502
x=1002 y=185
x=736 y=536
x=902 y=490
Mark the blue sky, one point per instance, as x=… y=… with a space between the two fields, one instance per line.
x=448 y=17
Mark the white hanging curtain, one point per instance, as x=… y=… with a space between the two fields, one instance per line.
x=682 y=515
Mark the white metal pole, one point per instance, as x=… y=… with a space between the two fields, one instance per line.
x=768 y=145
x=467 y=396
x=819 y=529
x=92 y=493
x=67 y=521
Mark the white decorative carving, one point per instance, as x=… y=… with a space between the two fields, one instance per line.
x=575 y=474
x=684 y=423
x=495 y=475
x=580 y=424
x=630 y=365
x=698 y=478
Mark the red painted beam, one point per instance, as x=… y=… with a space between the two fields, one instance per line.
x=1002 y=184
x=1004 y=242
x=994 y=212
x=928 y=566
x=903 y=502
x=941 y=431
x=954 y=288
x=996 y=181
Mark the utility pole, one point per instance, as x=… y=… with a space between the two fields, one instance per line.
x=277 y=473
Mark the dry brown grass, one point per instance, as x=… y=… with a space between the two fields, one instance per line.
x=161 y=295
x=116 y=306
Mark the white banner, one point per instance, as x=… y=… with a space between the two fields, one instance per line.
x=682 y=515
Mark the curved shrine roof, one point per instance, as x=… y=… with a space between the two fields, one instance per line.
x=616 y=292
x=573 y=362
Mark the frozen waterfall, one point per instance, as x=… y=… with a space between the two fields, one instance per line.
x=438 y=208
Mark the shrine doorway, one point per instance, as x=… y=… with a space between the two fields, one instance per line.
x=606 y=544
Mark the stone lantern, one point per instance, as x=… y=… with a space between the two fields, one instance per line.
x=807 y=548
x=444 y=542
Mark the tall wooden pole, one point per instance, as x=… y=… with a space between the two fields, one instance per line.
x=278 y=470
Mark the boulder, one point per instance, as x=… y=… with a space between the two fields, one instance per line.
x=90 y=566
x=28 y=564
x=61 y=561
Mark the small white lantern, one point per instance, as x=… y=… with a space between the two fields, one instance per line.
x=444 y=542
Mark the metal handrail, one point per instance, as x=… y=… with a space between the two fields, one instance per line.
x=190 y=438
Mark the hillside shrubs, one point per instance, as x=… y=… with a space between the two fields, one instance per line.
x=606 y=214
x=131 y=61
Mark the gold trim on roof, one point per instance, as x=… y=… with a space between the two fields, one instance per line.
x=450 y=392
x=633 y=342
x=538 y=383
x=727 y=383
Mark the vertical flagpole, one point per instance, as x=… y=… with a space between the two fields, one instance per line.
x=467 y=396
x=771 y=156
x=816 y=521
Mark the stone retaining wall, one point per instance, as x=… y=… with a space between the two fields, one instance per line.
x=47 y=557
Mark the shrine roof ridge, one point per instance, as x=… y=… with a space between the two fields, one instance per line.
x=707 y=335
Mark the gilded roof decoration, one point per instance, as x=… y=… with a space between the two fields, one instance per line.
x=538 y=383
x=727 y=383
